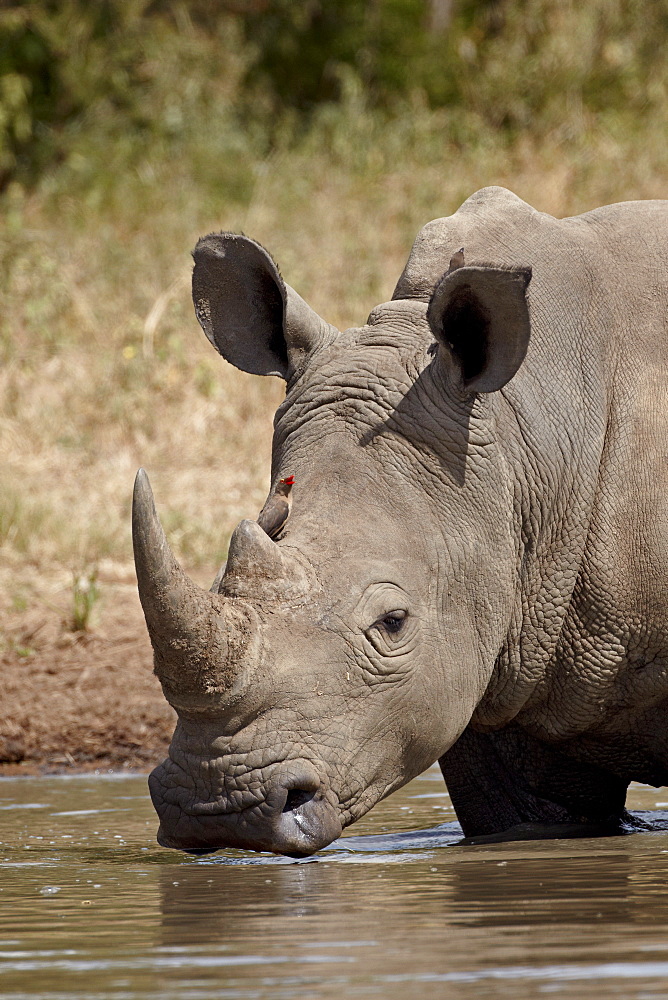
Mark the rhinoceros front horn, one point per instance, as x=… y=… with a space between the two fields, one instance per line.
x=199 y=639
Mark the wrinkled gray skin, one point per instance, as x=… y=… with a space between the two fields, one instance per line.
x=474 y=566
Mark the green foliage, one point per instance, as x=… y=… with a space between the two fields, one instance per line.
x=514 y=63
x=28 y=86
x=124 y=72
x=225 y=82
x=57 y=60
x=305 y=52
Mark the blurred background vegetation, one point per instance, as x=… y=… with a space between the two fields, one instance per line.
x=330 y=130
x=232 y=78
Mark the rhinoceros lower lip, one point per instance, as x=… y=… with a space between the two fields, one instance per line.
x=294 y=833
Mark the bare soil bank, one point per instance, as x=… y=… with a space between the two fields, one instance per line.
x=81 y=701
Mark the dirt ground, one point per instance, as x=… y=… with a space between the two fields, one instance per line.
x=78 y=700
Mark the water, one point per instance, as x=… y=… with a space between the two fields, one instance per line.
x=91 y=907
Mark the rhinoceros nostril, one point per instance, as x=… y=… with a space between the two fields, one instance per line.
x=296 y=798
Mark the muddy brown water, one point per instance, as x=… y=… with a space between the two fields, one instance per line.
x=92 y=908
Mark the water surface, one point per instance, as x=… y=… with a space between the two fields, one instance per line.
x=92 y=908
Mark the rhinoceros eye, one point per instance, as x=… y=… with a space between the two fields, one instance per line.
x=392 y=622
x=392 y=635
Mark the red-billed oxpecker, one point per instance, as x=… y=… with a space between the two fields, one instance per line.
x=276 y=511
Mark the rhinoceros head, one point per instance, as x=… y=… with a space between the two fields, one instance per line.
x=329 y=666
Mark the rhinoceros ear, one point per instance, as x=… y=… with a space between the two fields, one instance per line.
x=481 y=315
x=246 y=310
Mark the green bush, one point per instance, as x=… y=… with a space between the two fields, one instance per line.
x=225 y=81
x=58 y=60
x=124 y=72
x=515 y=63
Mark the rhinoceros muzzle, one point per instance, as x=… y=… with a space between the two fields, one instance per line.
x=294 y=815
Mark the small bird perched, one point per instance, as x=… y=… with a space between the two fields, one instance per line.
x=276 y=510
x=457 y=260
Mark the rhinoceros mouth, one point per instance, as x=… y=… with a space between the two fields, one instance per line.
x=295 y=833
x=293 y=812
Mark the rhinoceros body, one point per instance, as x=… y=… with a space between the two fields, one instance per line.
x=474 y=565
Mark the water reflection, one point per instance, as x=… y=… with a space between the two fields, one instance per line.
x=385 y=914
x=448 y=918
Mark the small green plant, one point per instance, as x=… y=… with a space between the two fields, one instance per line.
x=19 y=642
x=85 y=595
x=24 y=651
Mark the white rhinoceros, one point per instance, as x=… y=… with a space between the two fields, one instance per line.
x=473 y=569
